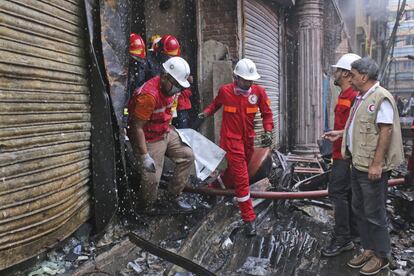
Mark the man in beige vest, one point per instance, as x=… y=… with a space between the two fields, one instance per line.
x=372 y=139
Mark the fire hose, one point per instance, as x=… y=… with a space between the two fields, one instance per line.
x=275 y=195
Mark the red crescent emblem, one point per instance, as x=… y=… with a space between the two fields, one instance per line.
x=371 y=108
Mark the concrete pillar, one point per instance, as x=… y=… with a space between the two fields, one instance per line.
x=310 y=76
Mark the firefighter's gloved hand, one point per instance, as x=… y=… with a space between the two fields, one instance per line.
x=148 y=163
x=267 y=138
x=202 y=115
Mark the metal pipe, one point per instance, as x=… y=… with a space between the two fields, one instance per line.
x=396 y=181
x=275 y=195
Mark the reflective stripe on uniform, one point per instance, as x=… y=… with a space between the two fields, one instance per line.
x=243 y=199
x=159 y=110
x=252 y=109
x=230 y=109
x=162 y=109
x=345 y=102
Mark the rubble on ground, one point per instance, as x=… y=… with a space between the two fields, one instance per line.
x=290 y=236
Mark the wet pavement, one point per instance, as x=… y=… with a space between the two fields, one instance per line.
x=290 y=236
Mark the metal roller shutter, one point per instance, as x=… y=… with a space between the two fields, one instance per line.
x=261 y=44
x=45 y=126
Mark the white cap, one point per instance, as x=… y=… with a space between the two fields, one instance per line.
x=345 y=61
x=179 y=69
x=246 y=69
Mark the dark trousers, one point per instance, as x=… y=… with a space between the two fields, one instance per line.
x=368 y=204
x=183 y=119
x=341 y=196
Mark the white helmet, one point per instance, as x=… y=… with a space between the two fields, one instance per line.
x=179 y=69
x=246 y=69
x=345 y=61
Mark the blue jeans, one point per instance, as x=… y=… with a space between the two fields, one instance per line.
x=368 y=204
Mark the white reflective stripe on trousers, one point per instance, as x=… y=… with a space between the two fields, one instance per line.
x=243 y=199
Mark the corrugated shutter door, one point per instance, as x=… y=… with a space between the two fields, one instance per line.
x=44 y=125
x=261 y=44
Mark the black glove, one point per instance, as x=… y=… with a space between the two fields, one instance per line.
x=267 y=138
x=196 y=124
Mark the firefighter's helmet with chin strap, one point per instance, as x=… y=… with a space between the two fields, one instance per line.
x=246 y=69
x=136 y=45
x=179 y=69
x=168 y=45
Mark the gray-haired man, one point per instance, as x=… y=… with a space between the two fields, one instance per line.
x=372 y=138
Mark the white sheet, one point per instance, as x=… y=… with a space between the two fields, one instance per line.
x=207 y=154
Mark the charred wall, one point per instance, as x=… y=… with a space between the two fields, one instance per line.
x=219 y=22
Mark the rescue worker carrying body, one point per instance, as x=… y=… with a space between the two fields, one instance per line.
x=152 y=137
x=240 y=101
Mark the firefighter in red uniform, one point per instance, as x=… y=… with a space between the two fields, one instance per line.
x=241 y=100
x=152 y=137
x=340 y=183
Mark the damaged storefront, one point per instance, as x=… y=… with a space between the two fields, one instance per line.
x=56 y=128
x=45 y=126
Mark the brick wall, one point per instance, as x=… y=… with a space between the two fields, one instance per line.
x=219 y=22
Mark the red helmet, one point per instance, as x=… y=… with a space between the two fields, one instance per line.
x=169 y=45
x=136 y=45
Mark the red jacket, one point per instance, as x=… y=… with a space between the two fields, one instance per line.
x=342 y=108
x=184 y=102
x=239 y=112
x=159 y=121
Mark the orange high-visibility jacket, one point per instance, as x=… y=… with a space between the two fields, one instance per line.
x=159 y=122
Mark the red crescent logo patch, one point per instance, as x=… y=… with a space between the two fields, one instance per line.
x=371 y=108
x=252 y=99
